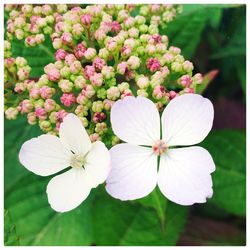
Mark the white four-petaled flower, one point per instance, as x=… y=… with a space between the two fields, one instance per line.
x=184 y=173
x=48 y=154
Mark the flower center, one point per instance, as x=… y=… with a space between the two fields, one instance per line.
x=160 y=147
x=77 y=161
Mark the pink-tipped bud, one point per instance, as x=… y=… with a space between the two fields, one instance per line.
x=11 y=113
x=115 y=27
x=31 y=118
x=99 y=63
x=34 y=93
x=54 y=75
x=126 y=92
x=46 y=92
x=189 y=90
x=197 y=78
x=107 y=104
x=126 y=51
x=49 y=105
x=94 y=137
x=186 y=81
x=79 y=51
x=172 y=94
x=99 y=117
x=67 y=38
x=86 y=19
x=89 y=71
x=122 y=68
x=96 y=79
x=25 y=106
x=19 y=87
x=69 y=59
x=60 y=54
x=159 y=91
x=68 y=99
x=41 y=113
x=153 y=64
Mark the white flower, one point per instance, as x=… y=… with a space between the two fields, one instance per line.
x=184 y=173
x=48 y=154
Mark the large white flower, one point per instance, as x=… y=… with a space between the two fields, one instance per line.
x=48 y=154
x=184 y=172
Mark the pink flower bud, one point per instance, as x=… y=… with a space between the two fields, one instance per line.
x=189 y=90
x=34 y=93
x=65 y=85
x=41 y=113
x=142 y=82
x=186 y=81
x=96 y=79
x=60 y=54
x=31 y=117
x=133 y=62
x=68 y=99
x=30 y=41
x=100 y=35
x=79 y=51
x=99 y=117
x=88 y=91
x=25 y=106
x=67 y=38
x=111 y=45
x=159 y=91
x=89 y=71
x=156 y=38
x=188 y=66
x=75 y=67
x=49 y=105
x=54 y=75
x=126 y=51
x=11 y=113
x=46 y=92
x=153 y=64
x=126 y=92
x=86 y=19
x=70 y=58
x=98 y=63
x=90 y=53
x=59 y=26
x=113 y=93
x=172 y=94
x=19 y=87
x=81 y=99
x=129 y=75
x=115 y=27
x=60 y=115
x=107 y=104
x=175 y=50
x=94 y=137
x=122 y=68
x=197 y=78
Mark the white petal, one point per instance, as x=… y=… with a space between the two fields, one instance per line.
x=184 y=175
x=133 y=172
x=136 y=120
x=187 y=120
x=68 y=190
x=44 y=155
x=74 y=135
x=98 y=163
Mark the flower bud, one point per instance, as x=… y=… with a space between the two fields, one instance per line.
x=99 y=117
x=49 y=105
x=142 y=82
x=67 y=99
x=134 y=62
x=11 y=113
x=31 y=117
x=90 y=53
x=113 y=93
x=65 y=85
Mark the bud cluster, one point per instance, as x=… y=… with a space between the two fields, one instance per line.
x=103 y=53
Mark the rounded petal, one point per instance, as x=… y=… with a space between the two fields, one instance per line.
x=133 y=172
x=73 y=135
x=136 y=120
x=184 y=175
x=68 y=190
x=44 y=155
x=97 y=163
x=187 y=120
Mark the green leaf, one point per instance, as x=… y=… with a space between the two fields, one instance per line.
x=185 y=31
x=10 y=235
x=38 y=57
x=16 y=133
x=37 y=224
x=124 y=224
x=156 y=201
x=228 y=149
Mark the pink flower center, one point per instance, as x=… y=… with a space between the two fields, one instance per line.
x=160 y=147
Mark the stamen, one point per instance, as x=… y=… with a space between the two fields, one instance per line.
x=160 y=147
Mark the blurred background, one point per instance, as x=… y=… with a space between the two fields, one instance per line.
x=214 y=38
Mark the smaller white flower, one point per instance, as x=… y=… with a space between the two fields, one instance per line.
x=48 y=154
x=184 y=173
